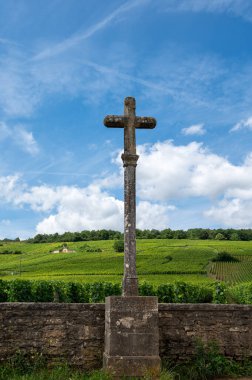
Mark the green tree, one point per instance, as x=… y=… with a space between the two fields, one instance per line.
x=234 y=236
x=119 y=246
x=179 y=234
x=219 y=236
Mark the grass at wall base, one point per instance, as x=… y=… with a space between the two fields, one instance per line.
x=207 y=363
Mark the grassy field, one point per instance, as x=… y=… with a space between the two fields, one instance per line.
x=158 y=261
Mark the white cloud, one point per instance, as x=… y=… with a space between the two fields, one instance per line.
x=167 y=171
x=80 y=209
x=40 y=198
x=196 y=129
x=152 y=216
x=243 y=124
x=97 y=210
x=114 y=180
x=73 y=208
x=235 y=213
x=10 y=188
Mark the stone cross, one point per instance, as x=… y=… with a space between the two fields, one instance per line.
x=129 y=122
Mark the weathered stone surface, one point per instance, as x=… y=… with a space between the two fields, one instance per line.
x=138 y=365
x=75 y=332
x=181 y=324
x=71 y=332
x=131 y=336
x=114 y=121
x=129 y=122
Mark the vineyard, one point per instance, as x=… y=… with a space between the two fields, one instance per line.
x=159 y=261
x=233 y=272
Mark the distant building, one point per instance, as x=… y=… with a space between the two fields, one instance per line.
x=64 y=249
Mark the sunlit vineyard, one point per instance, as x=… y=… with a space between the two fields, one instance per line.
x=233 y=272
x=159 y=261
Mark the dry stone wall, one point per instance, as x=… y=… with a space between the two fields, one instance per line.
x=75 y=332
x=68 y=332
x=180 y=325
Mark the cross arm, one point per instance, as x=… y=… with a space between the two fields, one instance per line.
x=113 y=121
x=145 y=122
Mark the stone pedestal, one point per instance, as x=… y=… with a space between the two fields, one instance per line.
x=131 y=337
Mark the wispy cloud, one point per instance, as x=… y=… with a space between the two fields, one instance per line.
x=19 y=93
x=131 y=78
x=5 y=41
x=241 y=8
x=195 y=84
x=58 y=173
x=196 y=129
x=187 y=83
x=5 y=222
x=25 y=140
x=5 y=131
x=20 y=137
x=77 y=38
x=243 y=124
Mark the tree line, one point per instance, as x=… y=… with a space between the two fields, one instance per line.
x=192 y=233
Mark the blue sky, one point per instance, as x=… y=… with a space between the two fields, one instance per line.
x=64 y=65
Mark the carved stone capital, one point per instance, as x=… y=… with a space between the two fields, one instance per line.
x=129 y=159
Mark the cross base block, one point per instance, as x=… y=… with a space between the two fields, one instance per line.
x=131 y=337
x=138 y=366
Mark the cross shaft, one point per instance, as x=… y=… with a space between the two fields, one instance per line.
x=129 y=121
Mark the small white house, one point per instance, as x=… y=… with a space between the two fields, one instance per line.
x=64 y=249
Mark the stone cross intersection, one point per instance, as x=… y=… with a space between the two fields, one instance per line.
x=129 y=122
